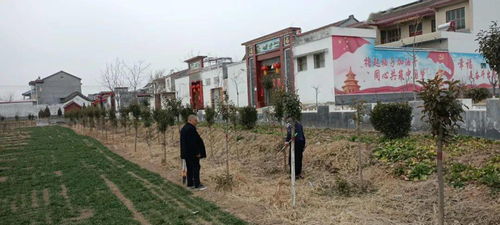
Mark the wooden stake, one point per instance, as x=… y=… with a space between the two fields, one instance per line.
x=440 y=180
x=292 y=163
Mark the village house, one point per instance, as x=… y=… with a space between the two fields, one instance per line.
x=164 y=88
x=269 y=61
x=53 y=89
x=75 y=101
x=437 y=24
x=313 y=65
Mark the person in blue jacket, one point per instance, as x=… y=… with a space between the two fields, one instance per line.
x=300 y=143
x=192 y=150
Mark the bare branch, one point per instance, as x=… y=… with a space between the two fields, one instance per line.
x=113 y=75
x=136 y=74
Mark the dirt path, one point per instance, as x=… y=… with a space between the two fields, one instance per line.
x=137 y=215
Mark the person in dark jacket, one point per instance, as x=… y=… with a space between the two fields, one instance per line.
x=300 y=143
x=192 y=150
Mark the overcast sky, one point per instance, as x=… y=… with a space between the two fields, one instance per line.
x=41 y=37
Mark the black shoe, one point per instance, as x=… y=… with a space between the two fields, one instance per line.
x=201 y=187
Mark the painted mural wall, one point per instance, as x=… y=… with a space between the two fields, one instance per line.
x=360 y=68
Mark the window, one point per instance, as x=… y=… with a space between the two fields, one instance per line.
x=302 y=63
x=216 y=81
x=415 y=29
x=195 y=65
x=319 y=60
x=387 y=36
x=458 y=15
x=433 y=25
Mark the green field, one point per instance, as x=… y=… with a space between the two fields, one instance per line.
x=51 y=175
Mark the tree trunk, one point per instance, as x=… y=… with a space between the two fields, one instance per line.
x=158 y=136
x=149 y=143
x=164 y=148
x=135 y=140
x=173 y=132
x=227 y=151
x=439 y=161
x=360 y=162
x=211 y=142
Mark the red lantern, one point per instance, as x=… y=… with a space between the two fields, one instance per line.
x=277 y=67
x=264 y=69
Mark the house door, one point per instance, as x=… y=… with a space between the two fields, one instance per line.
x=216 y=97
x=196 y=92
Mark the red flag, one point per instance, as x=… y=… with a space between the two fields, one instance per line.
x=445 y=59
x=343 y=44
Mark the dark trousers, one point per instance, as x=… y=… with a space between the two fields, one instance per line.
x=193 y=172
x=299 y=150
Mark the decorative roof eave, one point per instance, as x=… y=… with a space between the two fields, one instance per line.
x=268 y=36
x=195 y=58
x=27 y=93
x=392 y=20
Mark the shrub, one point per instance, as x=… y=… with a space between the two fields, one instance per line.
x=477 y=94
x=248 y=117
x=277 y=102
x=46 y=112
x=223 y=182
x=112 y=118
x=292 y=106
x=146 y=117
x=392 y=119
x=135 y=109
x=210 y=116
x=174 y=105
x=185 y=112
x=228 y=113
x=59 y=112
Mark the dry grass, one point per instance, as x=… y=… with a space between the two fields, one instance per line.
x=261 y=193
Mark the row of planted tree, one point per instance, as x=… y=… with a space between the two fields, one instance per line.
x=139 y=114
x=441 y=110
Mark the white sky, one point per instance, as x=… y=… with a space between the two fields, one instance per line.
x=41 y=37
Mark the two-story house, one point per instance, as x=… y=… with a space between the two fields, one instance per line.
x=439 y=24
x=53 y=89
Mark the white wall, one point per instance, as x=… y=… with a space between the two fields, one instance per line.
x=312 y=77
x=21 y=109
x=24 y=108
x=168 y=85
x=311 y=43
x=210 y=74
x=182 y=90
x=237 y=79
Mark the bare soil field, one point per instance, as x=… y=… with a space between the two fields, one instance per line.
x=329 y=193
